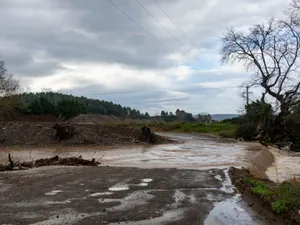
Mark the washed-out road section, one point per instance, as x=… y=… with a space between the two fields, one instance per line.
x=183 y=183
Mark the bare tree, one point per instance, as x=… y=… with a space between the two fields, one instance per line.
x=295 y=5
x=270 y=51
x=8 y=88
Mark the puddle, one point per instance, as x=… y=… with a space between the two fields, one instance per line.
x=227 y=186
x=142 y=185
x=100 y=194
x=147 y=180
x=54 y=192
x=134 y=199
x=119 y=187
x=230 y=212
x=167 y=217
x=218 y=177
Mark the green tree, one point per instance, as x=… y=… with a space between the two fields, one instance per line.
x=41 y=106
x=69 y=108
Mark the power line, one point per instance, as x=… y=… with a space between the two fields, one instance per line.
x=159 y=23
x=128 y=16
x=183 y=33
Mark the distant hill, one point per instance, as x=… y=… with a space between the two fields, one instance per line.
x=67 y=106
x=219 y=117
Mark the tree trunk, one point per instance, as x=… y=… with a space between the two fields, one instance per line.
x=280 y=129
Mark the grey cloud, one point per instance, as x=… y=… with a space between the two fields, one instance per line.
x=93 y=31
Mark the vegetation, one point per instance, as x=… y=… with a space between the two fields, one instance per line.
x=270 y=52
x=8 y=87
x=218 y=128
x=284 y=197
x=65 y=106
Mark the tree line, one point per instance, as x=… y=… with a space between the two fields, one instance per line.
x=183 y=116
x=66 y=106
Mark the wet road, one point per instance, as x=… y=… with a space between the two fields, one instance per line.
x=184 y=183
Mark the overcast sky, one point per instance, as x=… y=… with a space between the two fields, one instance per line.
x=90 y=48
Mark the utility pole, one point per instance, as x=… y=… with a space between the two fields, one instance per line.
x=247 y=94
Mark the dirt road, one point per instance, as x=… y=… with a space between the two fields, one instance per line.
x=149 y=190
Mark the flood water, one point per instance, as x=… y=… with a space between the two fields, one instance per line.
x=192 y=152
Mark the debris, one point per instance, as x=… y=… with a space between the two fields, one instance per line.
x=63 y=132
x=148 y=136
x=56 y=160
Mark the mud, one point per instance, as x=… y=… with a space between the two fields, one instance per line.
x=96 y=195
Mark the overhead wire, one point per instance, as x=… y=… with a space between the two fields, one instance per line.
x=141 y=27
x=183 y=33
x=159 y=23
x=147 y=32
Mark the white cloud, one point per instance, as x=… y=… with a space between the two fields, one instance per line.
x=89 y=47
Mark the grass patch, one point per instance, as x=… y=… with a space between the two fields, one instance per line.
x=279 y=206
x=284 y=197
x=223 y=129
x=259 y=187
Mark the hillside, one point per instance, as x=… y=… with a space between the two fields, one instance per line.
x=67 y=106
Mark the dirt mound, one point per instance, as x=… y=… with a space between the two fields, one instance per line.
x=38 y=134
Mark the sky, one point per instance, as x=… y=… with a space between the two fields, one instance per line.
x=140 y=57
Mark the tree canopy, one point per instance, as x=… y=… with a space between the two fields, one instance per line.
x=66 y=106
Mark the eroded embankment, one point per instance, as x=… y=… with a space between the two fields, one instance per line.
x=279 y=203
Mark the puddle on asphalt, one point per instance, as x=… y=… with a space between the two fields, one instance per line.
x=230 y=212
x=57 y=202
x=218 y=177
x=227 y=186
x=54 y=192
x=134 y=199
x=147 y=180
x=119 y=187
x=167 y=217
x=100 y=194
x=142 y=185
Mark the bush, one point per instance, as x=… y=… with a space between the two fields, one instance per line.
x=279 y=206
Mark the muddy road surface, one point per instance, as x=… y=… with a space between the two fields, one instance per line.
x=184 y=183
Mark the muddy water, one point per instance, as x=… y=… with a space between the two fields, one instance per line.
x=193 y=152
x=196 y=152
x=286 y=166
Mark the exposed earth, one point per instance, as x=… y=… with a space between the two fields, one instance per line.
x=43 y=134
x=182 y=183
